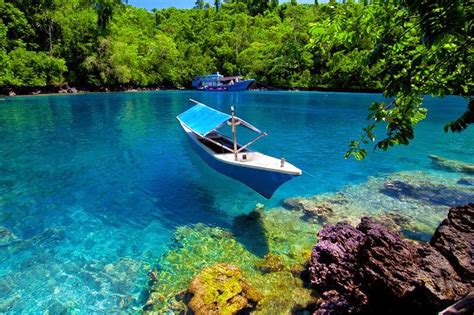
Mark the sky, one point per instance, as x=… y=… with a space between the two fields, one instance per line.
x=180 y=4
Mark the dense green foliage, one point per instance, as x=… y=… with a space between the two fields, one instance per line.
x=108 y=43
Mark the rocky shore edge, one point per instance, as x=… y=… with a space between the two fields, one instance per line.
x=66 y=89
x=371 y=269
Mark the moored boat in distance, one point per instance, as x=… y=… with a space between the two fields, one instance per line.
x=218 y=82
x=262 y=173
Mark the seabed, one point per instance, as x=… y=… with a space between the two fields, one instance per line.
x=271 y=246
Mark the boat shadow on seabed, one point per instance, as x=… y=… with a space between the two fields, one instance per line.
x=249 y=230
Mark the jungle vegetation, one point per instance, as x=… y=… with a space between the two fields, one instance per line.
x=404 y=48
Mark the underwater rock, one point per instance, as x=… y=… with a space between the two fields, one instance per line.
x=466 y=181
x=394 y=221
x=6 y=236
x=312 y=208
x=221 y=289
x=454 y=238
x=429 y=192
x=270 y=263
x=452 y=165
x=372 y=269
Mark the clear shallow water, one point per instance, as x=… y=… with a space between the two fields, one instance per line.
x=92 y=186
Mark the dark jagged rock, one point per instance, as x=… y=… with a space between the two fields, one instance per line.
x=463 y=307
x=370 y=269
x=431 y=193
x=454 y=238
x=452 y=165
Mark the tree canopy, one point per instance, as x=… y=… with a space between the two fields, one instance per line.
x=415 y=48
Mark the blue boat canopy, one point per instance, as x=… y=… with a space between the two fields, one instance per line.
x=202 y=120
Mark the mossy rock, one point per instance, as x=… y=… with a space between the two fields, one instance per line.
x=221 y=289
x=270 y=263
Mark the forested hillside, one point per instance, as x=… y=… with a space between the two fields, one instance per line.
x=107 y=43
x=96 y=43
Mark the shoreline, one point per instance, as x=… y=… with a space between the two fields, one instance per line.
x=66 y=90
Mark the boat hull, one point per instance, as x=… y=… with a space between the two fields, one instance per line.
x=235 y=87
x=262 y=181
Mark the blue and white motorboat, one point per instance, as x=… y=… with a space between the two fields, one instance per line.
x=262 y=173
x=218 y=82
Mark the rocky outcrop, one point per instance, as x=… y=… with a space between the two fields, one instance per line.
x=371 y=269
x=463 y=307
x=221 y=289
x=454 y=238
x=68 y=90
x=452 y=165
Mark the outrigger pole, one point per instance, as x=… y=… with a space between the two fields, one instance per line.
x=234 y=132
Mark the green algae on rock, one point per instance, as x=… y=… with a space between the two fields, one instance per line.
x=221 y=289
x=199 y=246
x=270 y=263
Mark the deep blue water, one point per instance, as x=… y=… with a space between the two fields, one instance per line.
x=93 y=185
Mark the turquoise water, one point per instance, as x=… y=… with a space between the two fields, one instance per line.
x=93 y=186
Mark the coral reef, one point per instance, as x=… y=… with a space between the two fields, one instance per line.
x=372 y=269
x=221 y=289
x=452 y=165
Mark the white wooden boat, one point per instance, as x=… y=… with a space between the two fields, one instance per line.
x=260 y=172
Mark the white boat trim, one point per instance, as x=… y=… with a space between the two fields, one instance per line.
x=257 y=160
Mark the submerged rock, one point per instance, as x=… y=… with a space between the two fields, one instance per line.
x=452 y=165
x=428 y=192
x=372 y=269
x=221 y=289
x=312 y=209
x=454 y=238
x=6 y=236
x=270 y=263
x=466 y=181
